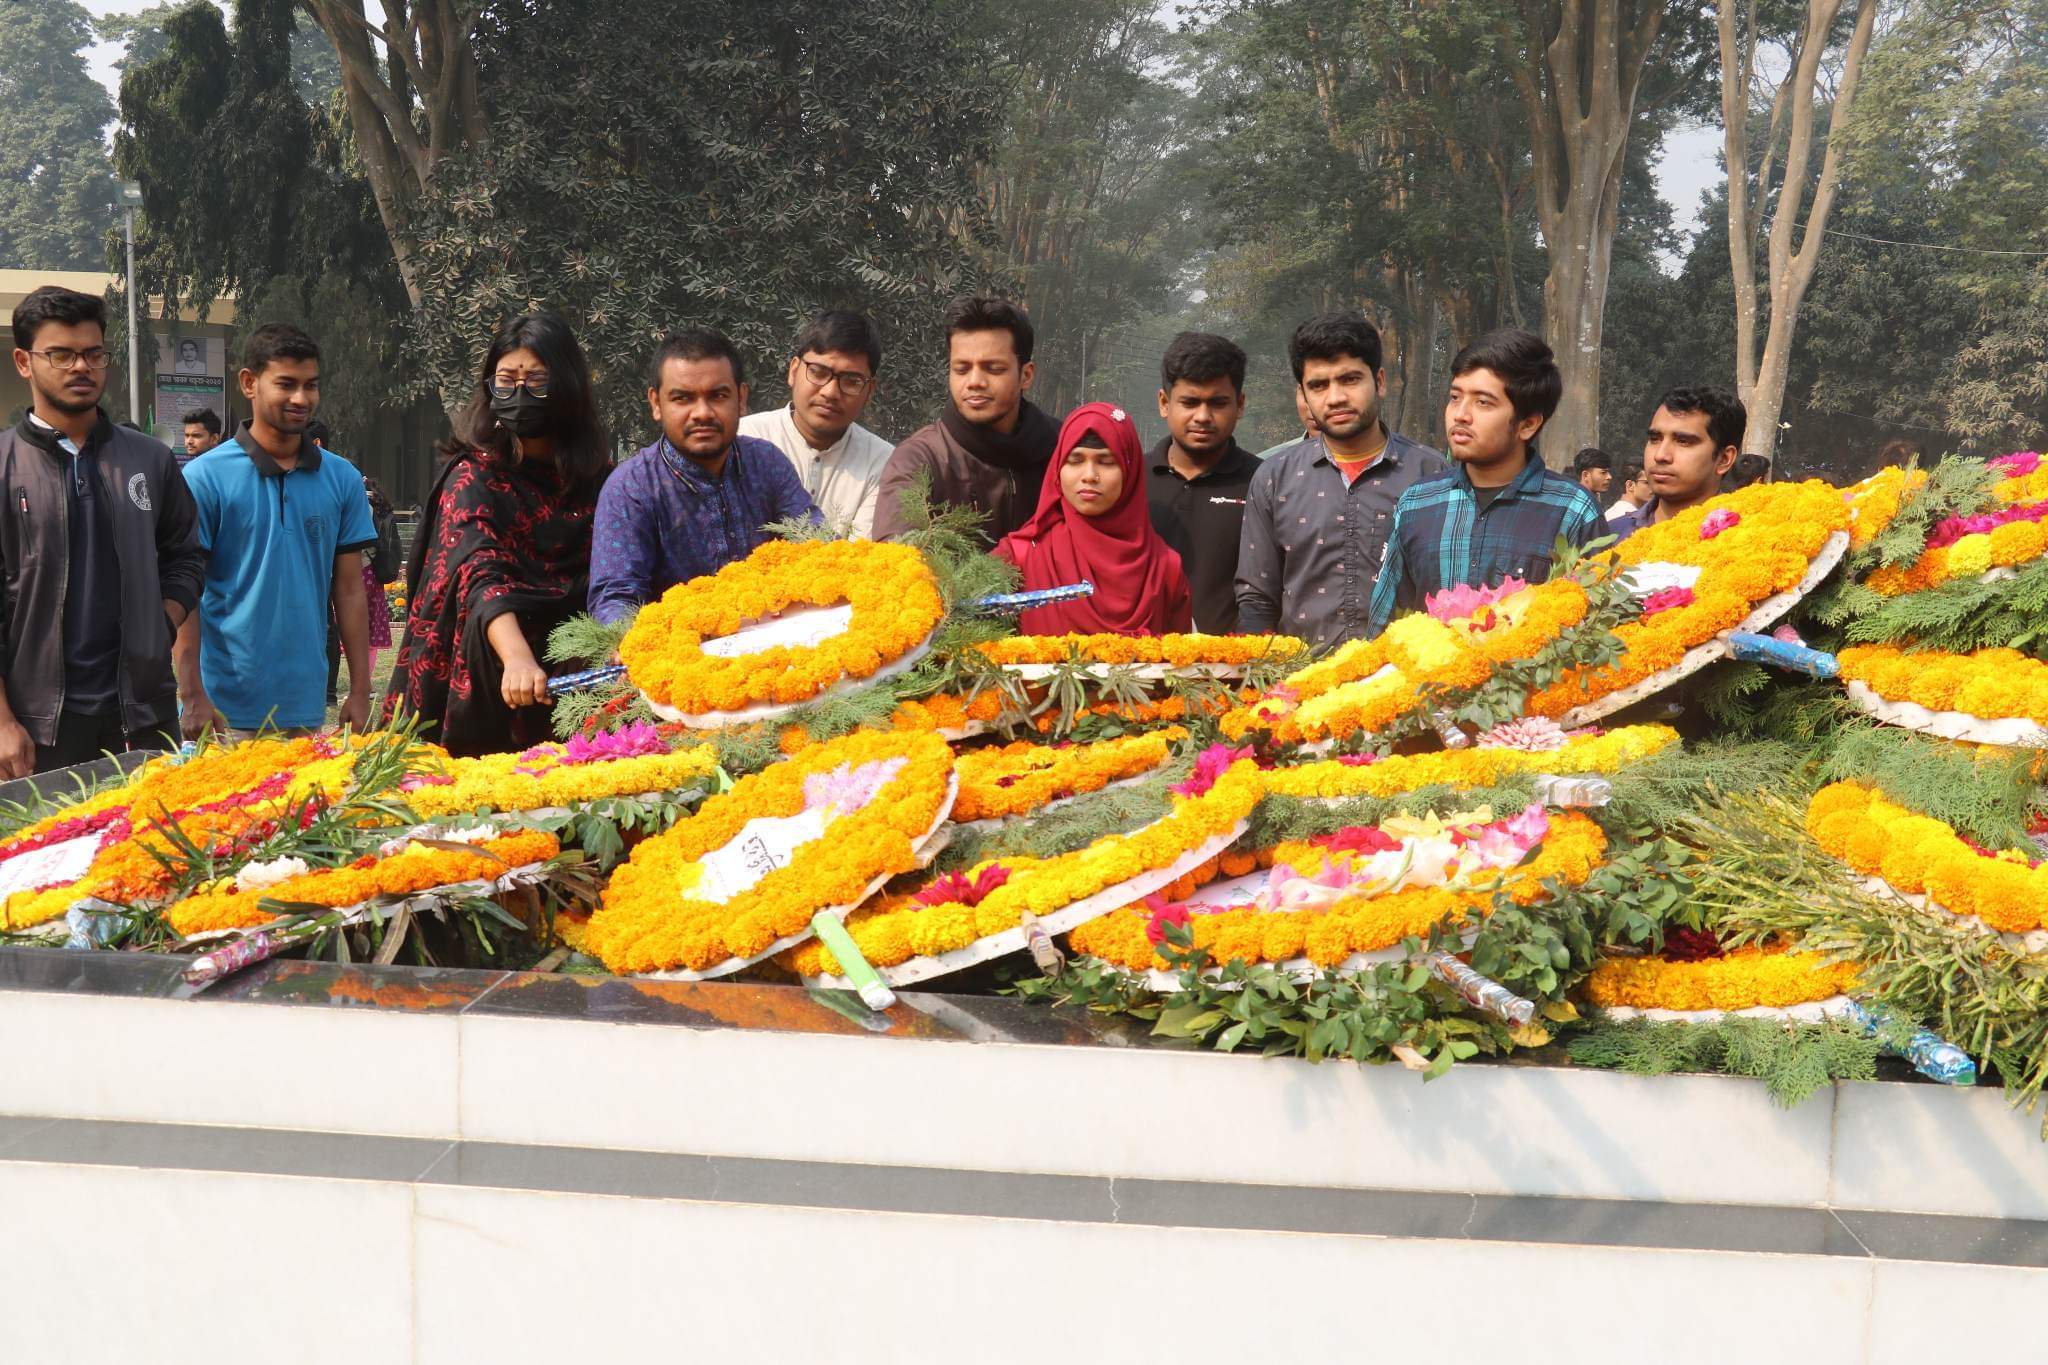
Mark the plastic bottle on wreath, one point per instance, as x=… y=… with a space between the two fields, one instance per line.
x=1568 y=793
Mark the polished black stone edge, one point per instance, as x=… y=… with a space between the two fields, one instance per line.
x=1638 y=1224
x=724 y=1004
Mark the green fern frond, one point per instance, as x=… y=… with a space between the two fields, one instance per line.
x=583 y=639
x=1794 y=1061
x=1988 y=795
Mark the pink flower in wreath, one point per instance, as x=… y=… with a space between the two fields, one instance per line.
x=1460 y=601
x=2019 y=464
x=1664 y=599
x=1785 y=635
x=1527 y=734
x=1213 y=763
x=1719 y=520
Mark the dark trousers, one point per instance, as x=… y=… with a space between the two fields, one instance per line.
x=81 y=739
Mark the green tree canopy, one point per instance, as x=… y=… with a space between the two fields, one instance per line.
x=758 y=162
x=56 y=190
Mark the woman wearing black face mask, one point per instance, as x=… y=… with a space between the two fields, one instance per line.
x=502 y=555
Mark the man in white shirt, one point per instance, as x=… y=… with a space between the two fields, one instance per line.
x=832 y=372
x=1635 y=491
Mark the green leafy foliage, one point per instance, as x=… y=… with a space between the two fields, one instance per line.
x=56 y=185
x=1794 y=1061
x=1958 y=616
x=1768 y=880
x=1987 y=794
x=758 y=162
x=1399 y=1009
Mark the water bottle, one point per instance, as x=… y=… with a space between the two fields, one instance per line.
x=1569 y=793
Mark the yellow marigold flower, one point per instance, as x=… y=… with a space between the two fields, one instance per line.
x=1748 y=978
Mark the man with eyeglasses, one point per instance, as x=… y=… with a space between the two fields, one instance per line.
x=100 y=560
x=832 y=375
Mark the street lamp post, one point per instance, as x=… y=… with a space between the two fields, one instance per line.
x=131 y=197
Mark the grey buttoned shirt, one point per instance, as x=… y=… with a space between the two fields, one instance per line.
x=1312 y=546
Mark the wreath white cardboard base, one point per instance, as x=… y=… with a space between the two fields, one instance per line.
x=1145 y=672
x=430 y=901
x=997 y=821
x=713 y=720
x=1812 y=1012
x=2032 y=943
x=926 y=847
x=1699 y=656
x=2013 y=732
x=913 y=970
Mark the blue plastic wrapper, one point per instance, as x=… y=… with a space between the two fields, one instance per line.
x=1763 y=649
x=1932 y=1055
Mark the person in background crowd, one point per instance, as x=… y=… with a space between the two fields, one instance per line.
x=698 y=498
x=1695 y=437
x=1094 y=522
x=285 y=525
x=1200 y=474
x=1317 y=515
x=1500 y=513
x=1308 y=427
x=989 y=449
x=1635 y=490
x=1900 y=452
x=1748 y=469
x=99 y=556
x=503 y=556
x=380 y=566
x=202 y=433
x=832 y=375
x=1594 y=469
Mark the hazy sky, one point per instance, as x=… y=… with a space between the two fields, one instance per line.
x=1688 y=168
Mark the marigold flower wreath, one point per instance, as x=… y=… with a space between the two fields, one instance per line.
x=1757 y=550
x=1020 y=778
x=1766 y=980
x=1926 y=862
x=671 y=656
x=1874 y=503
x=1422 y=888
x=2026 y=477
x=1977 y=546
x=1991 y=696
x=415 y=869
x=893 y=789
x=1345 y=779
x=1367 y=684
x=630 y=763
x=1218 y=655
x=92 y=848
x=964 y=918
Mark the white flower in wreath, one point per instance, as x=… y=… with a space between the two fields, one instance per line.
x=263 y=876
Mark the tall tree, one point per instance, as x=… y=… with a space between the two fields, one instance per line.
x=834 y=166
x=415 y=96
x=1369 y=158
x=1580 y=68
x=1780 y=181
x=1088 y=195
x=56 y=190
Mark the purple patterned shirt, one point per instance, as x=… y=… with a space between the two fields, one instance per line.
x=662 y=521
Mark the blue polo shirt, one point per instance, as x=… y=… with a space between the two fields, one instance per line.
x=271 y=538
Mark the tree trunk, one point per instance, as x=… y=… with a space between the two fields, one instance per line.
x=1577 y=65
x=1760 y=379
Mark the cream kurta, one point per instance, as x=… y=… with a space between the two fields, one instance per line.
x=842 y=479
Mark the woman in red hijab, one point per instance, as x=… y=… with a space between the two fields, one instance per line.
x=1094 y=522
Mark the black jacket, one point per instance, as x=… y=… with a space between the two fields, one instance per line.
x=155 y=527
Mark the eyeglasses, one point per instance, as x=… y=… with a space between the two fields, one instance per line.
x=535 y=384
x=63 y=358
x=851 y=383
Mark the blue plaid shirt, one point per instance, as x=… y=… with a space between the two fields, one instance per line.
x=1441 y=538
x=661 y=520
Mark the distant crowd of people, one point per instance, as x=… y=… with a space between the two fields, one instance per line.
x=148 y=595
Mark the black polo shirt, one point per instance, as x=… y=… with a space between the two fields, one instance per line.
x=1201 y=518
